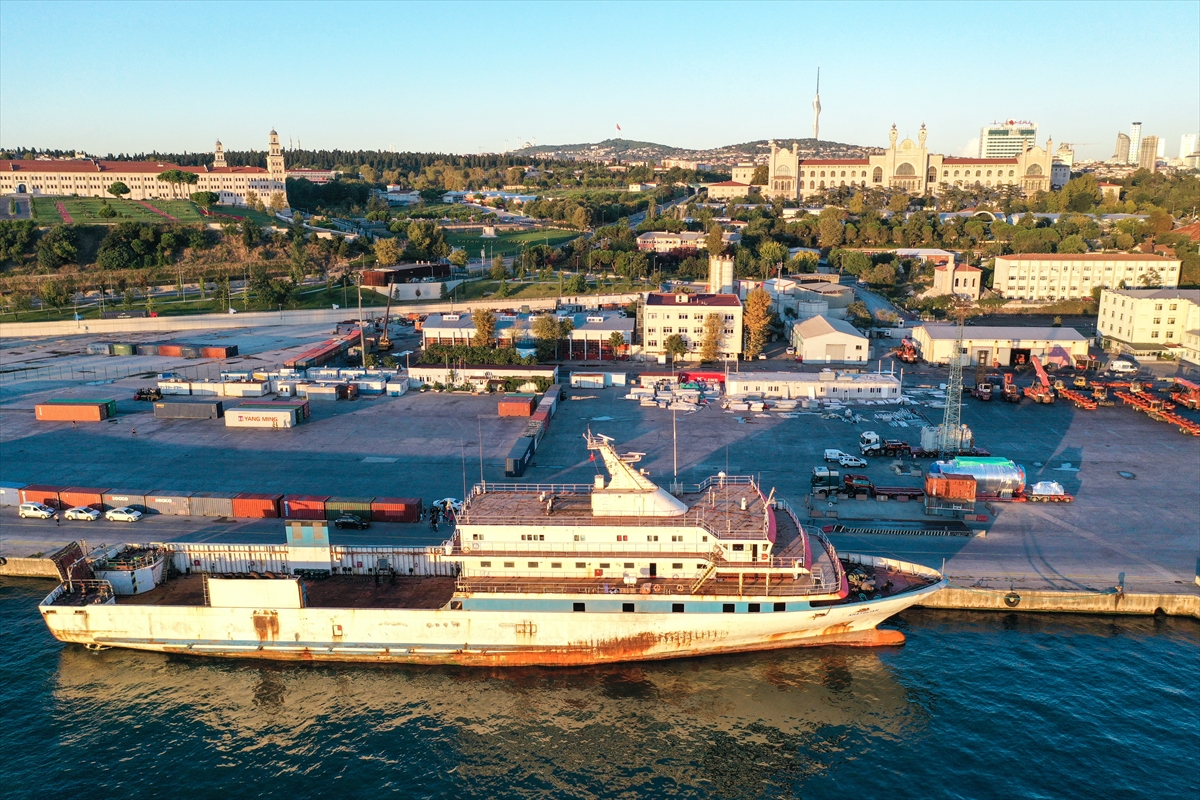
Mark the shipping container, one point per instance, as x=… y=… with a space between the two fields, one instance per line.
x=10 y=493
x=322 y=392
x=100 y=349
x=123 y=349
x=304 y=506
x=147 y=349
x=175 y=387
x=59 y=412
x=218 y=351
x=208 y=388
x=396 y=387
x=188 y=409
x=260 y=418
x=395 y=509
x=78 y=496
x=133 y=498
x=542 y=416
x=189 y=351
x=40 y=493
x=170 y=349
x=950 y=487
x=257 y=506
x=997 y=477
x=300 y=407
x=518 y=457
x=513 y=406
x=211 y=504
x=246 y=389
x=110 y=405
x=358 y=506
x=171 y=502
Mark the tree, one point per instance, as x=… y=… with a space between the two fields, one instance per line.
x=757 y=320
x=56 y=293
x=898 y=202
x=205 y=200
x=582 y=217
x=545 y=328
x=710 y=347
x=118 y=189
x=829 y=227
x=387 y=252
x=858 y=310
x=58 y=246
x=277 y=203
x=882 y=275
x=251 y=233
x=1150 y=278
x=458 y=258
x=577 y=284
x=368 y=173
x=299 y=258
x=760 y=176
x=715 y=240
x=499 y=271
x=771 y=254
x=857 y=204
x=674 y=346
x=485 y=327
x=175 y=177
x=1073 y=244
x=616 y=341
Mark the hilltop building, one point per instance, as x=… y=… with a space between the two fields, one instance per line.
x=88 y=177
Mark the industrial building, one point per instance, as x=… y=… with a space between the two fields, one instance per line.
x=1151 y=321
x=994 y=345
x=829 y=341
x=824 y=385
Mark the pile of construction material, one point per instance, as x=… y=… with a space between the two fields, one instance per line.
x=671 y=393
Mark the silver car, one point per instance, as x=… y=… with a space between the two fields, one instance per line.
x=83 y=513
x=123 y=514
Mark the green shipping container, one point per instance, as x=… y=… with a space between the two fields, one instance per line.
x=109 y=404
x=358 y=506
x=124 y=349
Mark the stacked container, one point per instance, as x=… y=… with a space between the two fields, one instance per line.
x=257 y=506
x=189 y=351
x=519 y=457
x=169 y=501
x=147 y=349
x=39 y=493
x=78 y=496
x=304 y=506
x=189 y=409
x=123 y=349
x=211 y=504
x=100 y=349
x=358 y=506
x=115 y=498
x=395 y=509
x=171 y=349
x=110 y=405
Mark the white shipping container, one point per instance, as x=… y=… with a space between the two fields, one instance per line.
x=367 y=386
x=259 y=418
x=246 y=389
x=284 y=388
x=316 y=392
x=208 y=388
x=174 y=387
x=397 y=386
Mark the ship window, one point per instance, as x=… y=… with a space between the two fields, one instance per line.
x=727 y=608
x=509 y=564
x=739 y=547
x=555 y=565
x=580 y=565
x=704 y=538
x=629 y=565
x=781 y=606
x=485 y=563
x=477 y=537
x=676 y=608
x=578 y=607
x=623 y=538
x=700 y=566
x=580 y=538
x=651 y=538
x=677 y=566
x=627 y=608
x=676 y=538
x=754 y=608
x=532 y=564
x=605 y=565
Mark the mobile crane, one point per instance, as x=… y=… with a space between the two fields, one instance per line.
x=1041 y=391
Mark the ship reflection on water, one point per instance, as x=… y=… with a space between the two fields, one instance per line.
x=736 y=724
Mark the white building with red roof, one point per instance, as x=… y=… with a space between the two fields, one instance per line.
x=905 y=166
x=667 y=314
x=89 y=177
x=957 y=278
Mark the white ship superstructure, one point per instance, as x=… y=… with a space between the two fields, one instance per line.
x=534 y=574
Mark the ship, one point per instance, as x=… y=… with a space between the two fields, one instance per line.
x=548 y=575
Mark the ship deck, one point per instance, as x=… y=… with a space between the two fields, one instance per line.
x=717 y=510
x=338 y=591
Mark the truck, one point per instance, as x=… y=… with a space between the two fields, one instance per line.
x=983 y=391
x=1048 y=492
x=827 y=482
x=871 y=443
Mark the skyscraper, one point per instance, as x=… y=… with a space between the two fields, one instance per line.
x=1148 y=153
x=1187 y=145
x=1006 y=139
x=1122 y=154
x=1135 y=141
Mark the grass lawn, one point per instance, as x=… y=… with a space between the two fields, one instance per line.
x=85 y=210
x=508 y=243
x=477 y=290
x=242 y=211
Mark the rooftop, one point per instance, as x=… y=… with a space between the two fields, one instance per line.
x=1087 y=257
x=1158 y=294
x=819 y=326
x=672 y=299
x=91 y=165
x=1000 y=332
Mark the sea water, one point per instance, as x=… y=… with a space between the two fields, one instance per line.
x=976 y=705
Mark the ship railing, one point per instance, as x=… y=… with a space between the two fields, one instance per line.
x=532 y=488
x=719 y=586
x=81 y=593
x=717 y=481
x=839 y=572
x=895 y=565
x=592 y=549
x=695 y=519
x=801 y=535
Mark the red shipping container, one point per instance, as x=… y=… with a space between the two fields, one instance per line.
x=216 y=351
x=304 y=506
x=256 y=506
x=516 y=406
x=35 y=493
x=951 y=487
x=395 y=509
x=75 y=496
x=170 y=350
x=61 y=412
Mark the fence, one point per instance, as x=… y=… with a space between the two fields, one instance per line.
x=210 y=370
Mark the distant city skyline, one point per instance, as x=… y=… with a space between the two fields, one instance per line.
x=118 y=77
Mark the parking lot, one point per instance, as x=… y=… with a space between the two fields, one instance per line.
x=436 y=445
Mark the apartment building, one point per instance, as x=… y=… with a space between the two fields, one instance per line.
x=1064 y=276
x=1149 y=321
x=668 y=314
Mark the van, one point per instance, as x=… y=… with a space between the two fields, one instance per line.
x=1123 y=367
x=36 y=510
x=834 y=455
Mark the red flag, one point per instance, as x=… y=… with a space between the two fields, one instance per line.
x=592 y=457
x=618 y=126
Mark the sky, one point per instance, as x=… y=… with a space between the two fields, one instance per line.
x=479 y=77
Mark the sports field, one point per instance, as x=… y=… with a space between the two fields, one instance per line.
x=507 y=244
x=86 y=210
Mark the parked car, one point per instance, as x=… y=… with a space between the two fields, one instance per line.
x=851 y=461
x=835 y=455
x=36 y=510
x=1124 y=367
x=82 y=513
x=351 y=521
x=449 y=504
x=123 y=514
x=791 y=351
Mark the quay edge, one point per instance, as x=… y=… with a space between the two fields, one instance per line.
x=963 y=598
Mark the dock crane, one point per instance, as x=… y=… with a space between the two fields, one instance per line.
x=1041 y=391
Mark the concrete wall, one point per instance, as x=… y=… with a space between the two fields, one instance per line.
x=1180 y=605
x=28 y=568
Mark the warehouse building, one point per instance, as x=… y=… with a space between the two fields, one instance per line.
x=824 y=385
x=1000 y=345
x=829 y=341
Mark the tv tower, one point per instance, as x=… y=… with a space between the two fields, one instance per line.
x=817 y=109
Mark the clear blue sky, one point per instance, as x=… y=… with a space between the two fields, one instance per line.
x=464 y=77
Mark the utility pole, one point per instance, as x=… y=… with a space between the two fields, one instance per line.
x=950 y=442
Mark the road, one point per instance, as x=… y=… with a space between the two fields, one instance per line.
x=875 y=303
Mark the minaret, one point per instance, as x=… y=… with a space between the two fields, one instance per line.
x=817 y=109
x=275 y=166
x=219 y=155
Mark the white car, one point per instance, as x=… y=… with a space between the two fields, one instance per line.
x=84 y=513
x=36 y=510
x=791 y=351
x=449 y=504
x=1122 y=366
x=123 y=514
x=835 y=455
x=848 y=460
